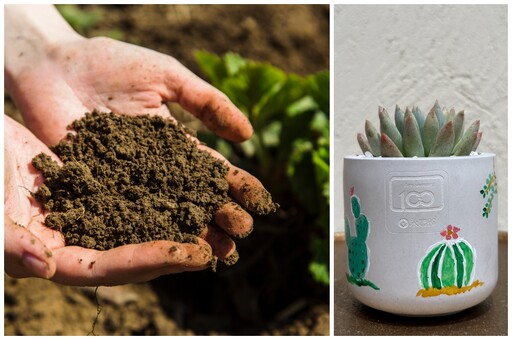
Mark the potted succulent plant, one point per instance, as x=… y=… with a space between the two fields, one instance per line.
x=420 y=227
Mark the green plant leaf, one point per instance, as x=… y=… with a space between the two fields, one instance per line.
x=281 y=96
x=468 y=139
x=388 y=148
x=320 y=158
x=430 y=131
x=413 y=146
x=419 y=116
x=388 y=128
x=373 y=137
x=300 y=170
x=318 y=86
x=270 y=135
x=458 y=125
x=399 y=119
x=262 y=78
x=233 y=63
x=443 y=145
x=236 y=90
x=320 y=272
x=80 y=19
x=212 y=66
x=364 y=144
x=320 y=123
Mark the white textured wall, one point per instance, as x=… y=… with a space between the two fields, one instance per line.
x=411 y=55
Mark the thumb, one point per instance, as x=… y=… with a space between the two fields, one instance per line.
x=25 y=254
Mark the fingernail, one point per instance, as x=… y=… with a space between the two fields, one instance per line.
x=35 y=265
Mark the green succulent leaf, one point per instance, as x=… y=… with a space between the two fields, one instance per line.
x=450 y=115
x=399 y=119
x=363 y=144
x=387 y=127
x=420 y=117
x=467 y=141
x=413 y=145
x=430 y=131
x=439 y=113
x=438 y=134
x=477 y=142
x=388 y=148
x=373 y=137
x=458 y=125
x=444 y=143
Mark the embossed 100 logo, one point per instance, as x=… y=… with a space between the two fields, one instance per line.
x=415 y=201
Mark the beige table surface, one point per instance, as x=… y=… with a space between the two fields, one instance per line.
x=353 y=318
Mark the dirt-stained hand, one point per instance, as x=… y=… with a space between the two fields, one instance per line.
x=111 y=76
x=32 y=249
x=108 y=75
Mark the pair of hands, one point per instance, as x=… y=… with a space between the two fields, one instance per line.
x=100 y=73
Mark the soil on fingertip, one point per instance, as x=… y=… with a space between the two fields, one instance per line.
x=129 y=179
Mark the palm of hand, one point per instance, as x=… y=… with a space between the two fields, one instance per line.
x=109 y=75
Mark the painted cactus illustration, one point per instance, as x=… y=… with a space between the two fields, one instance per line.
x=448 y=266
x=358 y=261
x=489 y=190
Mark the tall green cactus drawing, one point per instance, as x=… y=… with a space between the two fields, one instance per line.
x=447 y=268
x=489 y=190
x=358 y=261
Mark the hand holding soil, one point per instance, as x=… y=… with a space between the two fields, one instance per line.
x=32 y=249
x=55 y=78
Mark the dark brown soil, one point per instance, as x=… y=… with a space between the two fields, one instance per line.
x=129 y=180
x=270 y=290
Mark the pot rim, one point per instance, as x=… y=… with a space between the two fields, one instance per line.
x=361 y=157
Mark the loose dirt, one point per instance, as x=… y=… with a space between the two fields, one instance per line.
x=130 y=179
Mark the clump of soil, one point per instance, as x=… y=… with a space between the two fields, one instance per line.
x=129 y=179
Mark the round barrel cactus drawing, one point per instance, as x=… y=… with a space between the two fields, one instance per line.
x=448 y=266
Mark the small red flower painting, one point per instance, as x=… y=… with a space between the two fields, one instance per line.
x=450 y=232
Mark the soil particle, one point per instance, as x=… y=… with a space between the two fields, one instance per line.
x=129 y=180
x=231 y=259
x=258 y=200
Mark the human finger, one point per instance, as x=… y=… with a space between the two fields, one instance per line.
x=25 y=254
x=245 y=188
x=234 y=220
x=129 y=263
x=222 y=245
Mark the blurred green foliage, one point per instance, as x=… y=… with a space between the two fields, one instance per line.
x=84 y=19
x=289 y=150
x=81 y=20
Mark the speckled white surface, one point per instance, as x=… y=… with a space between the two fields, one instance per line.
x=412 y=55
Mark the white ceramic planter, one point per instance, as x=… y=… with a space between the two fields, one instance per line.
x=420 y=238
